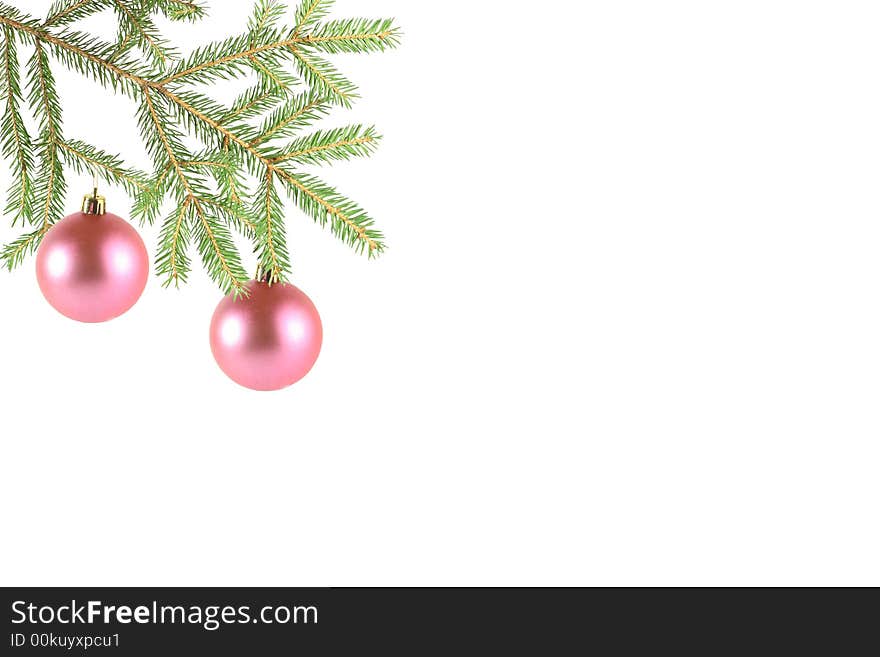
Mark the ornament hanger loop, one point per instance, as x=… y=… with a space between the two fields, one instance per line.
x=94 y=203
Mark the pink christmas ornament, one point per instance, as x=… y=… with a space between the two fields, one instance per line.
x=92 y=266
x=269 y=340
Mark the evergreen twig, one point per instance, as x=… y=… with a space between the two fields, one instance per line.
x=257 y=140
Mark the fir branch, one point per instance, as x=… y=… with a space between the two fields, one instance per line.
x=274 y=259
x=173 y=262
x=180 y=10
x=229 y=137
x=226 y=59
x=225 y=168
x=237 y=215
x=12 y=16
x=218 y=252
x=265 y=16
x=123 y=47
x=167 y=147
x=51 y=187
x=331 y=145
x=169 y=113
x=298 y=113
x=310 y=12
x=252 y=103
x=87 y=159
x=147 y=204
x=272 y=74
x=273 y=254
x=81 y=53
x=63 y=12
x=15 y=140
x=232 y=184
x=138 y=28
x=323 y=76
x=92 y=57
x=190 y=106
x=323 y=203
x=43 y=96
x=14 y=254
x=355 y=35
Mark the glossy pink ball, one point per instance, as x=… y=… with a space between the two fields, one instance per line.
x=269 y=340
x=92 y=268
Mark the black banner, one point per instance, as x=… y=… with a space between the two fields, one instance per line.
x=159 y=622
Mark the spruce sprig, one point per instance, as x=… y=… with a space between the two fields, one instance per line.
x=14 y=136
x=250 y=151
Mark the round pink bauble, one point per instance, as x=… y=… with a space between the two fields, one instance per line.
x=268 y=340
x=92 y=267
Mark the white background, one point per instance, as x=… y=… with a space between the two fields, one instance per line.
x=628 y=332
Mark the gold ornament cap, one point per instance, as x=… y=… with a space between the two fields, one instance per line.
x=94 y=204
